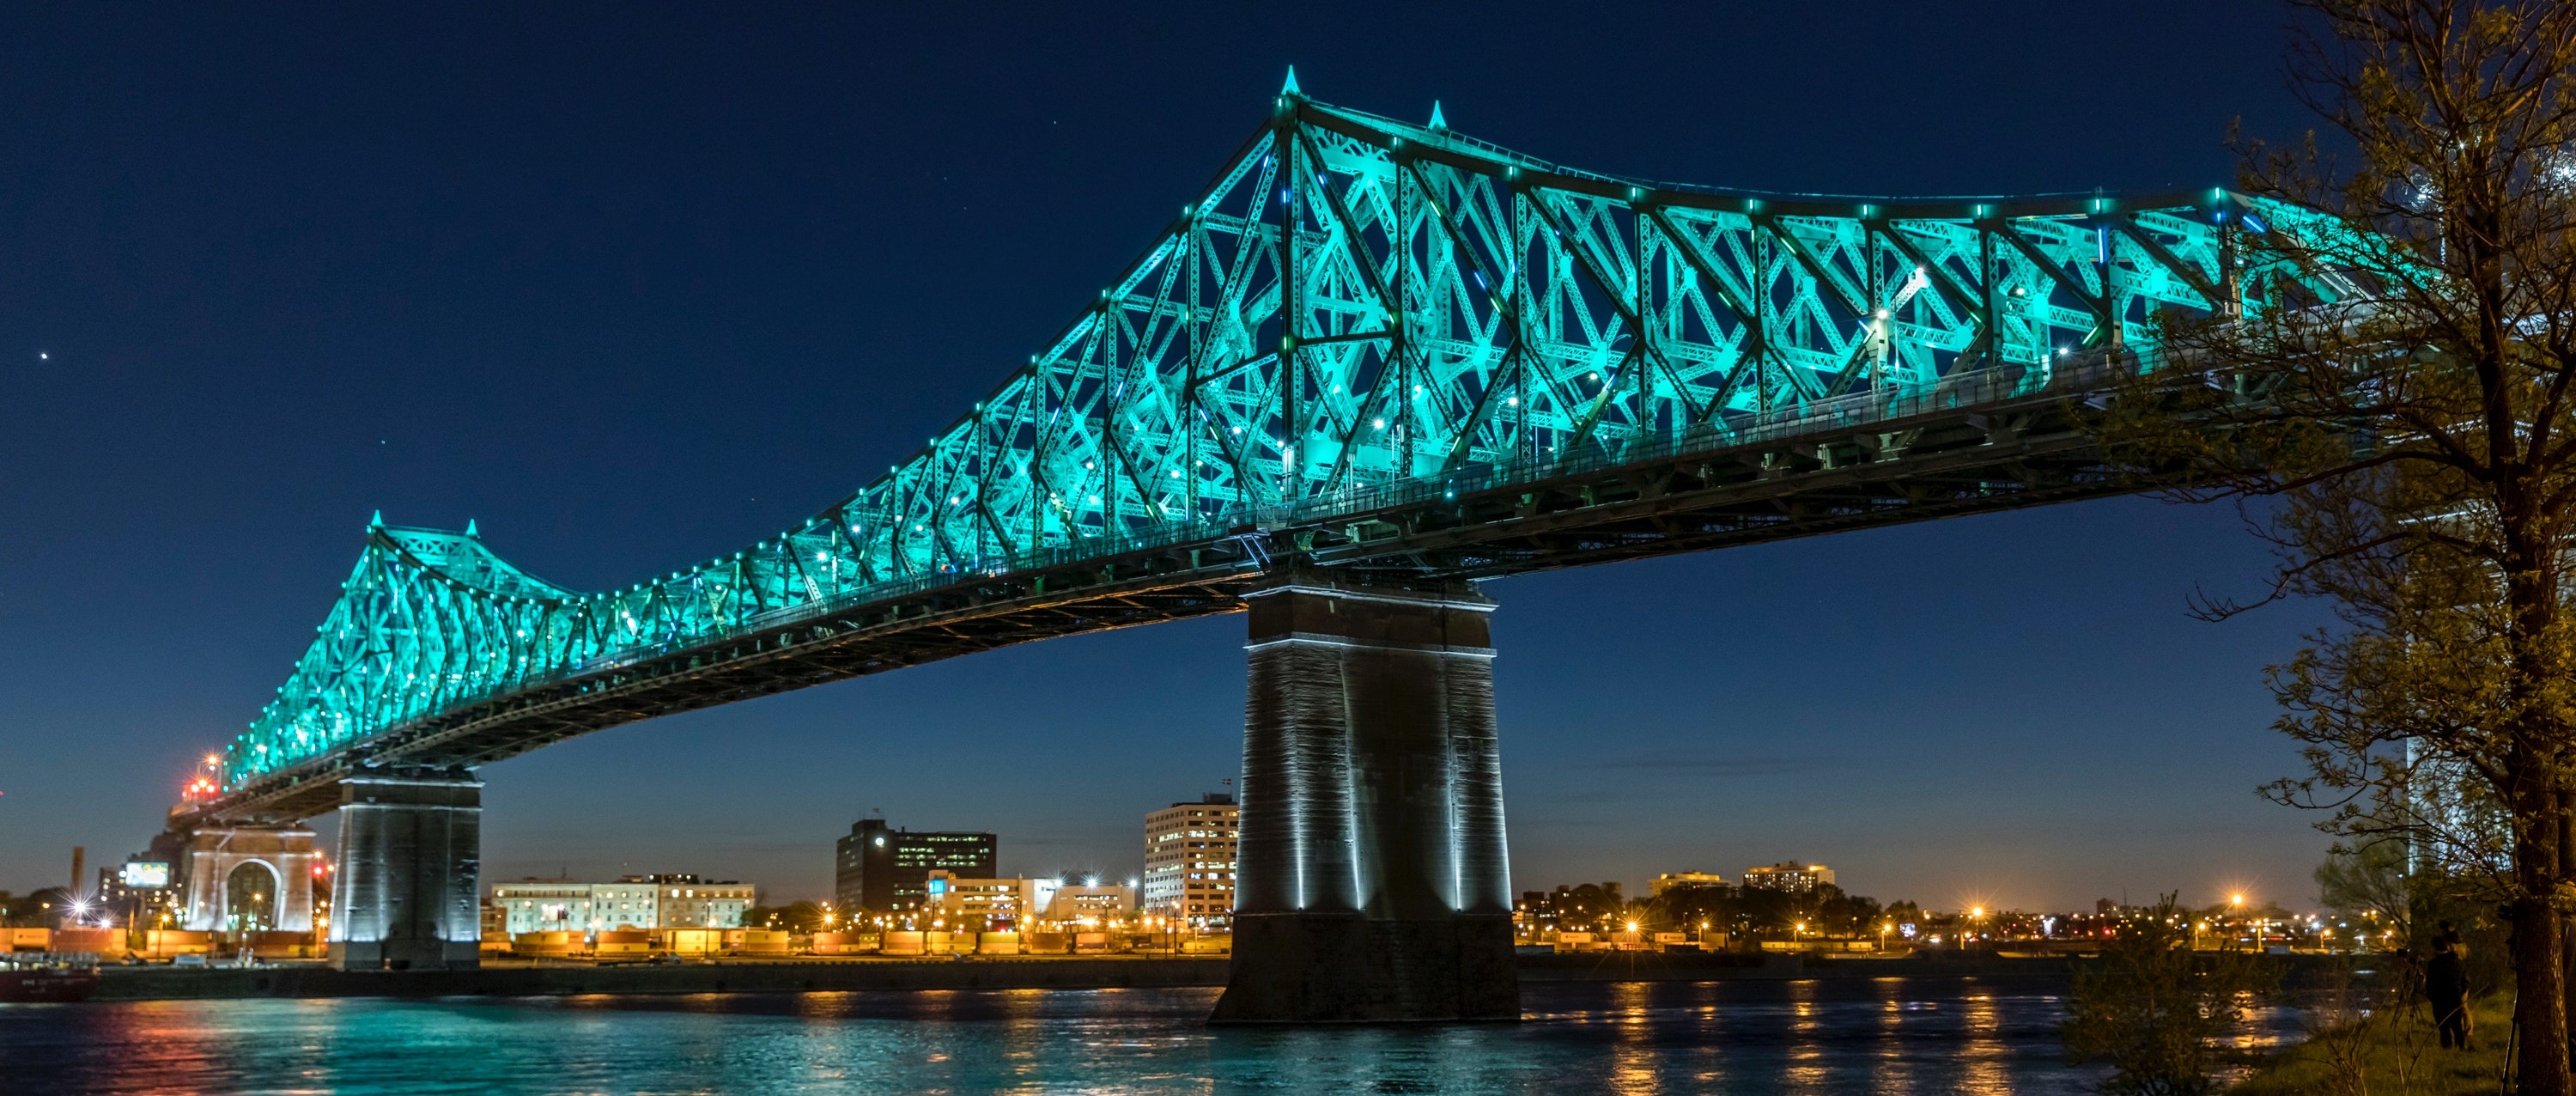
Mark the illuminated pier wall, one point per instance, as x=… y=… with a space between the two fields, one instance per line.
x=406 y=895
x=1372 y=881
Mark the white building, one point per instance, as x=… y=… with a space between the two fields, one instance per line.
x=688 y=902
x=633 y=902
x=561 y=905
x=1189 y=862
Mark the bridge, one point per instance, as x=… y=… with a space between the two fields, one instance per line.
x=1370 y=363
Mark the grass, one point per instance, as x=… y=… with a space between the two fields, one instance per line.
x=2390 y=1055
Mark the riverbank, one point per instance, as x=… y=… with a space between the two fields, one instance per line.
x=2396 y=1053
x=1079 y=972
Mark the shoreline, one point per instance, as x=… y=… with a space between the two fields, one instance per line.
x=1085 y=972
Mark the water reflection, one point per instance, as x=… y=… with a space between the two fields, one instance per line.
x=1837 y=1038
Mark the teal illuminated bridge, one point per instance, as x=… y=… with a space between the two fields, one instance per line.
x=1369 y=348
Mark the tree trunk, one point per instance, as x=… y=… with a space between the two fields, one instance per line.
x=2540 y=956
x=2540 y=1010
x=2566 y=923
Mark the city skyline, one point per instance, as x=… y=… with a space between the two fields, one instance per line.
x=1937 y=706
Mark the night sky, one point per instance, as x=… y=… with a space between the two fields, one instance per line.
x=631 y=285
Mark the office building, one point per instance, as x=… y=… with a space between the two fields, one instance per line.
x=886 y=870
x=1189 y=861
x=1788 y=875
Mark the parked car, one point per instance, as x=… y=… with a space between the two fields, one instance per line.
x=198 y=961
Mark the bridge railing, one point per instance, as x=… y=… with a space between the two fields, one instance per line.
x=1820 y=419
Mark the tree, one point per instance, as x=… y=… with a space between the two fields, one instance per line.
x=2366 y=879
x=2155 y=1009
x=43 y=907
x=1764 y=910
x=1842 y=914
x=2398 y=423
x=1685 y=909
x=798 y=917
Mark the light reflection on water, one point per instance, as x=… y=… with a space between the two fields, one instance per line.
x=1839 y=1038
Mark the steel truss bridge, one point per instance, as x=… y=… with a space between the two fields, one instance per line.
x=1366 y=344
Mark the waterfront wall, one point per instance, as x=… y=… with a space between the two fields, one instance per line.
x=169 y=983
x=163 y=983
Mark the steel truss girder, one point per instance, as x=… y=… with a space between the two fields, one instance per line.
x=1355 y=310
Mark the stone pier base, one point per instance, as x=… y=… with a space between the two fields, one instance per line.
x=1323 y=967
x=407 y=896
x=1371 y=880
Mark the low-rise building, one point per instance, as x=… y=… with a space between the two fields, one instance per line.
x=633 y=902
x=1000 y=903
x=1102 y=904
x=1581 y=907
x=1683 y=880
x=686 y=901
x=993 y=904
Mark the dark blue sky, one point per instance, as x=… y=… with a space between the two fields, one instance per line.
x=632 y=285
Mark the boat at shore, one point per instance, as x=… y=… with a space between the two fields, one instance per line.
x=47 y=976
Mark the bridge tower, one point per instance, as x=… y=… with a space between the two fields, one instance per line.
x=1371 y=881
x=406 y=896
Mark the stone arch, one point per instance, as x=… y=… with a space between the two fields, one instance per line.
x=252 y=892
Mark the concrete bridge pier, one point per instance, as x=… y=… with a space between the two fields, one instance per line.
x=411 y=859
x=1372 y=883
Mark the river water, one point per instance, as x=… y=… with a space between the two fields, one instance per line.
x=1834 y=1038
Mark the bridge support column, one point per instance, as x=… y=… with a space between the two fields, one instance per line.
x=411 y=852
x=1372 y=883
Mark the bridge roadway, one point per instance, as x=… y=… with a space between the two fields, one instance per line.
x=1978 y=443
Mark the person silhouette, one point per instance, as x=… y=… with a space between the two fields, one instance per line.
x=2446 y=986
